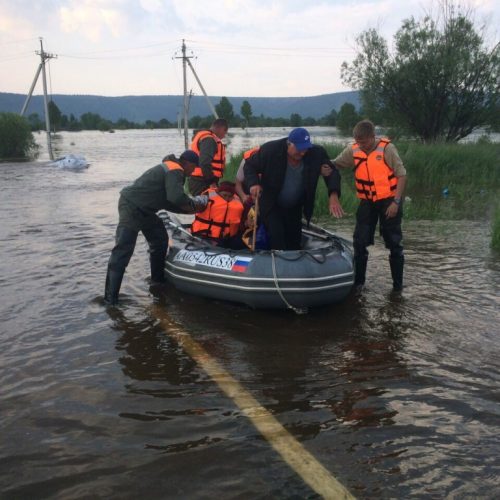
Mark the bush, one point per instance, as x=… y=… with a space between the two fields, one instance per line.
x=495 y=229
x=16 y=139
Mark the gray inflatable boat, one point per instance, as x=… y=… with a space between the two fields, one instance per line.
x=321 y=273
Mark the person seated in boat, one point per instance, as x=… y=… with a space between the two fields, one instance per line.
x=220 y=221
x=254 y=234
x=159 y=188
x=284 y=174
x=241 y=189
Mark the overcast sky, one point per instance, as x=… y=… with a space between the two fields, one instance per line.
x=242 y=47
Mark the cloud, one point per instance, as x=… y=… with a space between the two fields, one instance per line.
x=94 y=19
x=254 y=47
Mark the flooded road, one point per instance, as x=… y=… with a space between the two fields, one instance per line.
x=394 y=396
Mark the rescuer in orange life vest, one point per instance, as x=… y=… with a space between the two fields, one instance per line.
x=212 y=152
x=160 y=187
x=220 y=221
x=380 y=179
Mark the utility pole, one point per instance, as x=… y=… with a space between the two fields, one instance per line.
x=41 y=68
x=185 y=63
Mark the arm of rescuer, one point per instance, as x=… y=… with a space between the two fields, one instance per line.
x=182 y=203
x=332 y=179
x=345 y=160
x=238 y=183
x=208 y=148
x=251 y=169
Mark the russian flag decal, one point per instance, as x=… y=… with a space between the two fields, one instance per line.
x=240 y=264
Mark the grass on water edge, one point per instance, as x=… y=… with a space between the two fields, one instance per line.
x=445 y=181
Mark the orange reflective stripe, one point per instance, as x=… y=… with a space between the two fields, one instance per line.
x=169 y=165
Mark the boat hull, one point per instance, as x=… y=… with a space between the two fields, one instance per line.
x=319 y=275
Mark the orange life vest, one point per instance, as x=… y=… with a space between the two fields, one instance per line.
x=219 y=159
x=220 y=219
x=250 y=152
x=171 y=165
x=374 y=179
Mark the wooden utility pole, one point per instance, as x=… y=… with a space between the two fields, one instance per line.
x=185 y=63
x=44 y=56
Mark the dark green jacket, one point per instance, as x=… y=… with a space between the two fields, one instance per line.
x=160 y=189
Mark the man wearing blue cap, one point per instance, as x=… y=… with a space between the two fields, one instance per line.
x=284 y=173
x=159 y=188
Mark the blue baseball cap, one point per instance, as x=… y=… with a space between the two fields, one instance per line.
x=300 y=138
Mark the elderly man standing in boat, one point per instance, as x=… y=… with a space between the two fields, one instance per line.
x=159 y=188
x=284 y=173
x=212 y=152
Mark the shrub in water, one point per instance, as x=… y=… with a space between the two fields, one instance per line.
x=16 y=138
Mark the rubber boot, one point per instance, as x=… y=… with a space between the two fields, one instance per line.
x=397 y=264
x=112 y=287
x=360 y=263
x=157 y=263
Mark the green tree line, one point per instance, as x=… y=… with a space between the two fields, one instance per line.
x=345 y=117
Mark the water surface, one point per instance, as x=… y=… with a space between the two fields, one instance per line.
x=396 y=396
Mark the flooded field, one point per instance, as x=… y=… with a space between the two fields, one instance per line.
x=395 y=396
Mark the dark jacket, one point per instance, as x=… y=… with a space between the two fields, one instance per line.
x=271 y=162
x=159 y=188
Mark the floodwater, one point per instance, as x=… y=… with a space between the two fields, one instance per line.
x=396 y=396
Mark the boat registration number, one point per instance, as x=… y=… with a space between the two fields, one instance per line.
x=224 y=261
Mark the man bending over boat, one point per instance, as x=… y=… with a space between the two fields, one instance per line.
x=159 y=188
x=220 y=221
x=285 y=174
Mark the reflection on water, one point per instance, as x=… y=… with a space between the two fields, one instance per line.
x=396 y=396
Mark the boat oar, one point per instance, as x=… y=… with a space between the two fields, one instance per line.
x=254 y=234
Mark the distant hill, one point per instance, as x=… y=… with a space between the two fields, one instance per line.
x=141 y=108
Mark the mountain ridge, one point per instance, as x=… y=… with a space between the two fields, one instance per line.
x=138 y=109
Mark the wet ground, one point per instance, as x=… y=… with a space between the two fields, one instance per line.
x=396 y=396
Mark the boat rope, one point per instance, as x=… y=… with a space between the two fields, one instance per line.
x=296 y=310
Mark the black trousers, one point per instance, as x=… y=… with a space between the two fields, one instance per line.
x=367 y=216
x=284 y=227
x=132 y=221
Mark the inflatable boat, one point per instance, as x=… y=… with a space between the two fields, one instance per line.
x=321 y=273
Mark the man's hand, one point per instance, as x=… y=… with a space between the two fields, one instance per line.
x=255 y=191
x=199 y=202
x=326 y=170
x=335 y=207
x=392 y=210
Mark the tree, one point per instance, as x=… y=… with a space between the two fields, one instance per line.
x=90 y=121
x=246 y=112
x=329 y=119
x=295 y=120
x=441 y=82
x=36 y=122
x=54 y=116
x=225 y=109
x=16 y=138
x=73 y=123
x=347 y=118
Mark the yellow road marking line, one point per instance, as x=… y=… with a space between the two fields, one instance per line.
x=293 y=453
